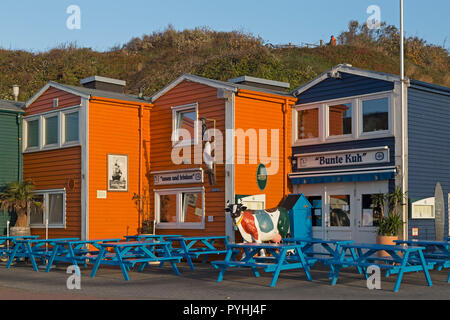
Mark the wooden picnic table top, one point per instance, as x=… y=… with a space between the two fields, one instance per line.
x=134 y=243
x=315 y=240
x=45 y=240
x=199 y=238
x=262 y=245
x=381 y=247
x=423 y=242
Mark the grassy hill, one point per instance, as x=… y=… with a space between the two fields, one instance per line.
x=152 y=61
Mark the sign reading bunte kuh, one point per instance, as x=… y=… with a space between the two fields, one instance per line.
x=343 y=158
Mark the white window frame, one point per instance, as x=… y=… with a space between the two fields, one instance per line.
x=44 y=130
x=175 y=136
x=25 y=135
x=327 y=119
x=63 y=127
x=320 y=124
x=390 y=116
x=178 y=192
x=46 y=194
x=357 y=118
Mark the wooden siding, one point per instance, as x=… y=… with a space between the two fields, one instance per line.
x=52 y=170
x=209 y=106
x=10 y=157
x=349 y=86
x=114 y=129
x=45 y=102
x=428 y=152
x=259 y=112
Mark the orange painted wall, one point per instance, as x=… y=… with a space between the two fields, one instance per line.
x=256 y=111
x=114 y=129
x=209 y=106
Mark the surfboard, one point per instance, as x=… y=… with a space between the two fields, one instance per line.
x=439 y=213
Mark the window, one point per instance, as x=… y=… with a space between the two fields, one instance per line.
x=308 y=124
x=51 y=130
x=340 y=119
x=180 y=208
x=32 y=133
x=371 y=214
x=316 y=210
x=54 y=203
x=375 y=115
x=71 y=127
x=346 y=119
x=340 y=211
x=185 y=129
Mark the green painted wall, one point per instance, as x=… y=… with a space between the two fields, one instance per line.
x=10 y=155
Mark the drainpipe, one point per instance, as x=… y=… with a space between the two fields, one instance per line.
x=141 y=109
x=403 y=116
x=19 y=145
x=284 y=109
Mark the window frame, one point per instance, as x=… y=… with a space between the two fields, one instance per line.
x=178 y=192
x=46 y=194
x=61 y=129
x=319 y=119
x=175 y=136
x=44 y=130
x=357 y=120
x=25 y=135
x=64 y=114
x=327 y=119
x=361 y=116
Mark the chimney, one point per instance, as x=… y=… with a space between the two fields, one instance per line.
x=262 y=83
x=103 y=83
x=16 y=89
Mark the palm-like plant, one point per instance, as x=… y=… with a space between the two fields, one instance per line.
x=19 y=196
x=391 y=225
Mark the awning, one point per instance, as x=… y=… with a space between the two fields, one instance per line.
x=343 y=176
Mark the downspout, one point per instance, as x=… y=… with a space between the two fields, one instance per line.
x=284 y=110
x=141 y=108
x=19 y=144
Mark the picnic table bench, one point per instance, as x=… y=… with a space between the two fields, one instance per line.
x=128 y=254
x=437 y=252
x=74 y=251
x=277 y=262
x=401 y=259
x=31 y=249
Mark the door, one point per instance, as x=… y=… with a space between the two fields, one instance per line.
x=367 y=214
x=344 y=211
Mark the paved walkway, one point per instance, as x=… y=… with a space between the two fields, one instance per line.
x=21 y=282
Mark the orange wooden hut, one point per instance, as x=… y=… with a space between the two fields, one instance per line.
x=84 y=149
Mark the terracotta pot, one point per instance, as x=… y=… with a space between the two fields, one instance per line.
x=385 y=240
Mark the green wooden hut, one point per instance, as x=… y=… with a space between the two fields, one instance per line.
x=11 y=113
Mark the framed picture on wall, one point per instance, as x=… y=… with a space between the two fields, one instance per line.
x=117 y=172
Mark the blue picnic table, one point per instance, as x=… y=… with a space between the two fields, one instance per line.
x=74 y=251
x=400 y=259
x=31 y=249
x=276 y=262
x=194 y=247
x=436 y=253
x=128 y=254
x=7 y=243
x=154 y=237
x=332 y=249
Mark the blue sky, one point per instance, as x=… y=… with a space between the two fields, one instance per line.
x=41 y=25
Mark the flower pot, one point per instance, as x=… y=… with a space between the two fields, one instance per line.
x=385 y=240
x=19 y=231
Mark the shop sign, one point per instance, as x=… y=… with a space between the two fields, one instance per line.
x=343 y=158
x=178 y=177
x=261 y=176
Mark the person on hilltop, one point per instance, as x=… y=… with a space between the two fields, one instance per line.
x=332 y=41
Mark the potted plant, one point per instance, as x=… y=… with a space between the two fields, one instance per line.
x=142 y=203
x=391 y=225
x=19 y=197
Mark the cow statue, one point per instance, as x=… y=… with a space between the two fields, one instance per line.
x=259 y=225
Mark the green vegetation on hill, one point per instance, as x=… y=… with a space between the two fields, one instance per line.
x=152 y=61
